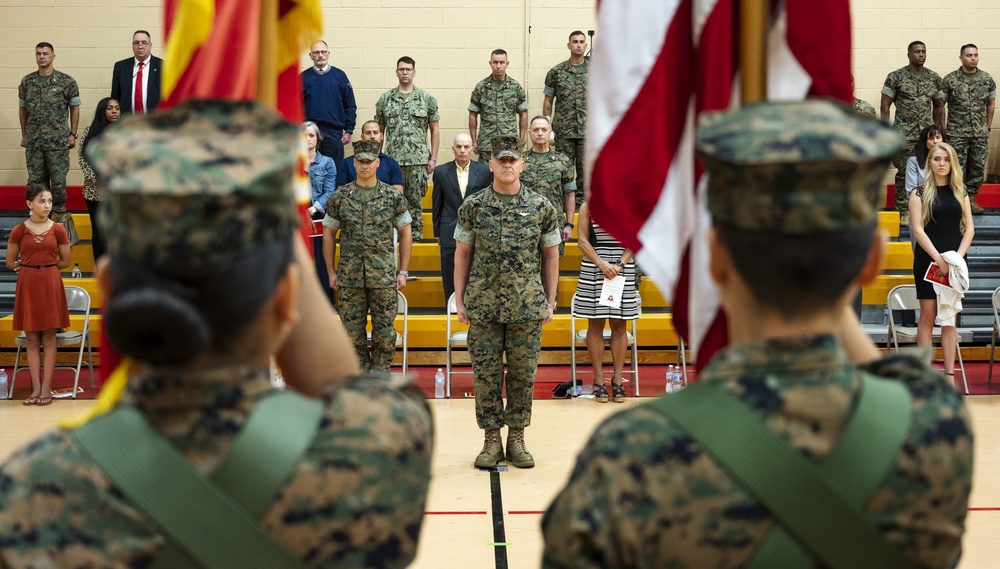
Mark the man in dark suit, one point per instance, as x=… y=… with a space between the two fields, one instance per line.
x=144 y=70
x=453 y=183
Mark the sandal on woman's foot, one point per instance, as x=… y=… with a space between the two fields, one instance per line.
x=600 y=393
x=618 y=392
x=30 y=401
x=43 y=401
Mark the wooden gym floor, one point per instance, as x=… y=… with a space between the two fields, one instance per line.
x=459 y=529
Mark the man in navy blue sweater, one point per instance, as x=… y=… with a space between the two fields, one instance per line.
x=329 y=102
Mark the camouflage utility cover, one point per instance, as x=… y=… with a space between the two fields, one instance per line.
x=198 y=183
x=801 y=167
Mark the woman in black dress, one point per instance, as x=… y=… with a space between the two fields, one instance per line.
x=941 y=221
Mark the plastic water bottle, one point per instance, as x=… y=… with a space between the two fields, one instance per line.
x=670 y=379
x=439 y=384
x=885 y=316
x=678 y=379
x=3 y=384
x=76 y=272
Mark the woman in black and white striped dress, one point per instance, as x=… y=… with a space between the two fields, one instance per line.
x=604 y=258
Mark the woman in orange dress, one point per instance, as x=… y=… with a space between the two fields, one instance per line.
x=39 y=300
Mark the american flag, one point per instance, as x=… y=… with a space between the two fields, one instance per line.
x=661 y=63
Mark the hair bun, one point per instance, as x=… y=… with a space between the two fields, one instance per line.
x=155 y=326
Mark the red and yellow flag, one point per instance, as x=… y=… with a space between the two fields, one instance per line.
x=242 y=50
x=238 y=49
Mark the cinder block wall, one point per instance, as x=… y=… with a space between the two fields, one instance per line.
x=451 y=42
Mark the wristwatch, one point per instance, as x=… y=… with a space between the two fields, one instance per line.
x=618 y=262
x=570 y=225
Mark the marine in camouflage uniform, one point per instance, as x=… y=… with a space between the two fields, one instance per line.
x=366 y=274
x=971 y=95
x=58 y=508
x=644 y=493
x=916 y=92
x=501 y=107
x=46 y=99
x=505 y=294
x=406 y=114
x=550 y=173
x=567 y=84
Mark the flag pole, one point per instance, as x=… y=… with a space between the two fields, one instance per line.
x=267 y=71
x=754 y=16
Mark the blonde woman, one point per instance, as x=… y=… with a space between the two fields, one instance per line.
x=941 y=221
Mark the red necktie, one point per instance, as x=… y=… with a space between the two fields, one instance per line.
x=137 y=92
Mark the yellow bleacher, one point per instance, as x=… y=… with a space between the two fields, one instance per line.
x=427 y=331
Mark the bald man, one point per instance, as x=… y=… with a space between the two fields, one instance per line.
x=453 y=183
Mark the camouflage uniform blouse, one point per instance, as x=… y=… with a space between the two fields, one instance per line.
x=48 y=99
x=357 y=499
x=505 y=279
x=405 y=120
x=913 y=94
x=366 y=218
x=552 y=175
x=568 y=84
x=645 y=494
x=499 y=103
x=967 y=95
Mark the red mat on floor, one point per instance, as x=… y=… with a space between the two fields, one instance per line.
x=651 y=381
x=60 y=380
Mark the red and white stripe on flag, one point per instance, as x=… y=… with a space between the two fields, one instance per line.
x=658 y=65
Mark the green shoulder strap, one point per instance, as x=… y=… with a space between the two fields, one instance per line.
x=208 y=525
x=819 y=508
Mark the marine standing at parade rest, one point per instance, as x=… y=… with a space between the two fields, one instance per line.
x=364 y=213
x=916 y=92
x=567 y=84
x=688 y=480
x=506 y=268
x=499 y=105
x=207 y=280
x=971 y=96
x=406 y=114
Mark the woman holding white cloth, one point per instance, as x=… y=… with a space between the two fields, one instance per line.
x=941 y=221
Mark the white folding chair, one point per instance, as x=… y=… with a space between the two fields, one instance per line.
x=579 y=338
x=904 y=297
x=78 y=302
x=996 y=332
x=454 y=339
x=402 y=309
